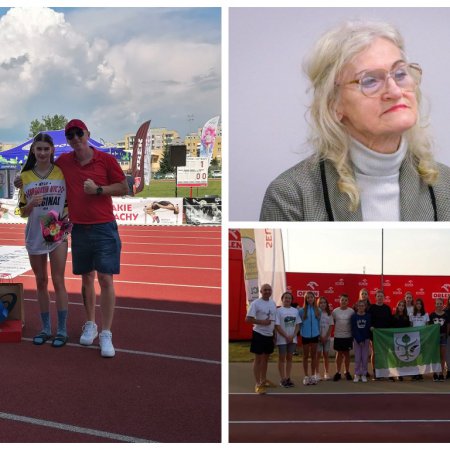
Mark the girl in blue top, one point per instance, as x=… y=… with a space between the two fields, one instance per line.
x=310 y=331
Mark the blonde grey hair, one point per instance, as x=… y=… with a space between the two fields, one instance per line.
x=329 y=137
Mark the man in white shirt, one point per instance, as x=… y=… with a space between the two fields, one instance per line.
x=262 y=315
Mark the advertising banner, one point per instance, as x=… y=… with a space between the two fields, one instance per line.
x=208 y=138
x=138 y=159
x=148 y=211
x=263 y=260
x=203 y=210
x=127 y=211
x=331 y=286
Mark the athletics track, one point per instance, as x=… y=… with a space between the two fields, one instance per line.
x=163 y=385
x=343 y=411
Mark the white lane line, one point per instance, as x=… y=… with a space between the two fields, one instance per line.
x=142 y=353
x=165 y=244
x=344 y=393
x=171 y=267
x=170 y=254
x=150 y=283
x=311 y=422
x=163 y=236
x=130 y=308
x=69 y=261
x=72 y=428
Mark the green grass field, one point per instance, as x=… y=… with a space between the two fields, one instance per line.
x=239 y=351
x=166 y=188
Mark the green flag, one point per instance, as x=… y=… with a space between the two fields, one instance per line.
x=406 y=351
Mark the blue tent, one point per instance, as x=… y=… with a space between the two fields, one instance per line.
x=16 y=156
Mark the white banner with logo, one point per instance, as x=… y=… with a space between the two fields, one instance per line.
x=127 y=211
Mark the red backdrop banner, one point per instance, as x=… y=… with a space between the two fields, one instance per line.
x=332 y=286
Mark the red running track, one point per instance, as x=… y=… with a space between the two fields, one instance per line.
x=323 y=418
x=163 y=384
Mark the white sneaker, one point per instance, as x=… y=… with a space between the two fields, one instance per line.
x=106 y=346
x=89 y=333
x=325 y=377
x=364 y=379
x=355 y=378
x=306 y=381
x=314 y=380
x=317 y=377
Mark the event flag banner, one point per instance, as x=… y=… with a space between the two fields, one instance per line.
x=208 y=138
x=148 y=158
x=406 y=351
x=140 y=149
x=263 y=260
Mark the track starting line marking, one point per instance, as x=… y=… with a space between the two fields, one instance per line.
x=72 y=428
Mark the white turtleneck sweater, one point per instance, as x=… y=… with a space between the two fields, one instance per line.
x=377 y=177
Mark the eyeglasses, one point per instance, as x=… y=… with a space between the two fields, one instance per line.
x=373 y=82
x=74 y=131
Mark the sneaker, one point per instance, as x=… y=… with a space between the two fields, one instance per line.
x=337 y=376
x=355 y=378
x=364 y=379
x=306 y=381
x=313 y=380
x=435 y=377
x=89 y=333
x=289 y=383
x=283 y=383
x=441 y=377
x=420 y=377
x=260 y=389
x=326 y=377
x=318 y=378
x=106 y=346
x=348 y=377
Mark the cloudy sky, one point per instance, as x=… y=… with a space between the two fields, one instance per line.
x=112 y=67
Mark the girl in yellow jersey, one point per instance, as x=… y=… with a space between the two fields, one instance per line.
x=44 y=191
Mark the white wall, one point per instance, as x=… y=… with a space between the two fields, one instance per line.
x=268 y=91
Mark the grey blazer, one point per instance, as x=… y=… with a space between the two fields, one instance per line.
x=298 y=195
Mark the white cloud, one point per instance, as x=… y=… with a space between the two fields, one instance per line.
x=49 y=65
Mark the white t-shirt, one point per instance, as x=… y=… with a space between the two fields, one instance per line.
x=342 y=322
x=262 y=310
x=419 y=321
x=287 y=319
x=325 y=322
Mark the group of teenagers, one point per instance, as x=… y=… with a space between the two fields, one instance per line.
x=77 y=187
x=353 y=329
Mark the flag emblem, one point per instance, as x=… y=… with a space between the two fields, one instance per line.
x=407 y=346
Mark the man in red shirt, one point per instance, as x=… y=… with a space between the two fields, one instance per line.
x=92 y=177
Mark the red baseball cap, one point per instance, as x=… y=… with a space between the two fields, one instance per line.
x=75 y=123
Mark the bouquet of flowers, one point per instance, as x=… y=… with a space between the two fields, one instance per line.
x=54 y=227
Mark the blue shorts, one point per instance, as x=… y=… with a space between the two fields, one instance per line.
x=96 y=247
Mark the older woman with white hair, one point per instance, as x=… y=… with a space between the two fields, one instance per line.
x=372 y=153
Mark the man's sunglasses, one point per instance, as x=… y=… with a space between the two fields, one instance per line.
x=74 y=131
